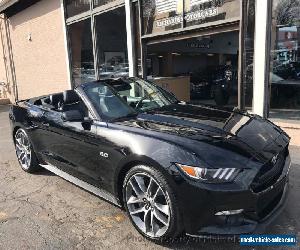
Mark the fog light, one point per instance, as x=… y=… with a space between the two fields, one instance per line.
x=230 y=212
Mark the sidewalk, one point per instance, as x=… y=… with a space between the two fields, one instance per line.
x=292 y=129
x=295 y=155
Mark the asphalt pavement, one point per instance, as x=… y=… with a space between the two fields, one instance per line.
x=43 y=211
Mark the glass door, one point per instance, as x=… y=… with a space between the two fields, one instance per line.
x=285 y=61
x=81 y=51
x=111 y=44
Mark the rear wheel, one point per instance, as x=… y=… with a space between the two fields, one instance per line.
x=24 y=151
x=151 y=204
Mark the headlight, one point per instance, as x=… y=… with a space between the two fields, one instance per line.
x=210 y=175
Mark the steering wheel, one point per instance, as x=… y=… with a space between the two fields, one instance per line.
x=140 y=102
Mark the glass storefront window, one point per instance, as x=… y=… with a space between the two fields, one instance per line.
x=112 y=44
x=201 y=70
x=75 y=7
x=80 y=37
x=204 y=11
x=98 y=3
x=164 y=15
x=285 y=60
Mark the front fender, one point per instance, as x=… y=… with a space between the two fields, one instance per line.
x=157 y=154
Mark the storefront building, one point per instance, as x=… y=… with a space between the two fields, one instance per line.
x=235 y=53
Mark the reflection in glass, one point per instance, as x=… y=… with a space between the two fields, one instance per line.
x=204 y=11
x=112 y=44
x=114 y=99
x=165 y=15
x=108 y=104
x=102 y=2
x=162 y=15
x=80 y=37
x=74 y=7
x=285 y=60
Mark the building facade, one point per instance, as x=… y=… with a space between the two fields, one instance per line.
x=241 y=53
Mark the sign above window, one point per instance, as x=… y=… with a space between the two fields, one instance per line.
x=102 y=2
x=165 y=15
x=75 y=7
x=188 y=17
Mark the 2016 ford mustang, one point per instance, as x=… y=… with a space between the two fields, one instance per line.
x=175 y=167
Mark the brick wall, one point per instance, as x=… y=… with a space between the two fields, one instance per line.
x=38 y=49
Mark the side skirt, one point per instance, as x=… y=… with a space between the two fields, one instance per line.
x=97 y=191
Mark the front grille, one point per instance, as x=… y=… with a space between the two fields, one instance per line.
x=269 y=173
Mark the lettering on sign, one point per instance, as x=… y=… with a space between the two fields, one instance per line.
x=169 y=21
x=201 y=14
x=189 y=17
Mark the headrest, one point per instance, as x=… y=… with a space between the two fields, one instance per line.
x=55 y=99
x=70 y=97
x=47 y=100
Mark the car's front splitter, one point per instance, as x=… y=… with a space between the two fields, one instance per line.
x=231 y=225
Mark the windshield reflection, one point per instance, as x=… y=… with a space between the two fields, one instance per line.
x=122 y=98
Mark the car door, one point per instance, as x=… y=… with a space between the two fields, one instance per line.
x=73 y=149
x=36 y=128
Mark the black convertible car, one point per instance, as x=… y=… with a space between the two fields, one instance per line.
x=175 y=167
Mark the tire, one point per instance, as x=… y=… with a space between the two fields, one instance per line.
x=24 y=151
x=156 y=204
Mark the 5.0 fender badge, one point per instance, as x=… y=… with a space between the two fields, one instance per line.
x=105 y=155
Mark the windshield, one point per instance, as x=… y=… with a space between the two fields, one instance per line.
x=114 y=99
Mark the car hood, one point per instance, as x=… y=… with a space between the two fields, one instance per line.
x=236 y=132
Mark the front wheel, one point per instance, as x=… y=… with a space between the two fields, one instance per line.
x=151 y=204
x=24 y=151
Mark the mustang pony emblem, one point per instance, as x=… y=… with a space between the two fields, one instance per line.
x=274 y=159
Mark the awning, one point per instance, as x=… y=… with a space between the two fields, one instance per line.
x=4 y=4
x=12 y=7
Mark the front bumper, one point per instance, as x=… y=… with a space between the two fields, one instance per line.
x=259 y=209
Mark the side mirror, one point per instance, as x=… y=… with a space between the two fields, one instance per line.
x=72 y=116
x=125 y=98
x=87 y=123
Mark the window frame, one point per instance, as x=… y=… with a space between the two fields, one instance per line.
x=92 y=14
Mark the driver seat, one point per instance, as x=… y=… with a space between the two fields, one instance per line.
x=55 y=100
x=71 y=101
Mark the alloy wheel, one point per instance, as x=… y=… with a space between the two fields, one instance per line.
x=148 y=205
x=23 y=149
